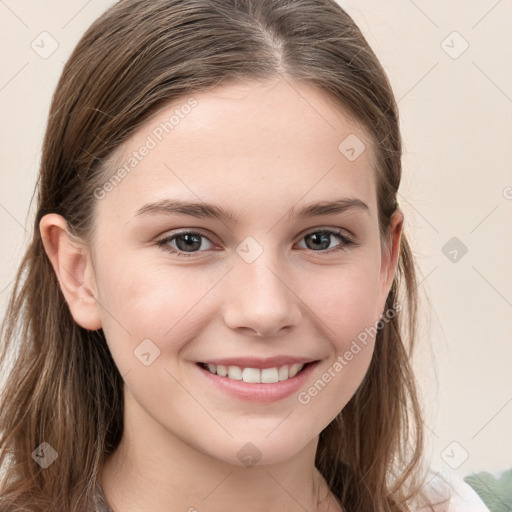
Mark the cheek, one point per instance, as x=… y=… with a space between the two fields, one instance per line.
x=345 y=301
x=347 y=311
x=142 y=301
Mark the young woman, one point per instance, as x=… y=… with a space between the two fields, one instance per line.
x=218 y=307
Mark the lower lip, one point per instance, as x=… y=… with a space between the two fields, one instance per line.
x=259 y=392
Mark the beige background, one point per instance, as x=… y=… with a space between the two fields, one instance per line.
x=456 y=113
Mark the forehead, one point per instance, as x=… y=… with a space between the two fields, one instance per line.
x=252 y=143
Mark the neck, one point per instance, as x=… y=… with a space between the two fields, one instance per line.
x=154 y=470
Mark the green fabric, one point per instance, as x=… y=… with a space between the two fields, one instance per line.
x=495 y=493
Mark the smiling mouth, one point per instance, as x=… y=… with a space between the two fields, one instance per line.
x=256 y=375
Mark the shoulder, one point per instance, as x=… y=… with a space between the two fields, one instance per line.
x=453 y=495
x=464 y=498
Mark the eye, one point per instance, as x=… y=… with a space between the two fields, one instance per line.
x=321 y=239
x=186 y=243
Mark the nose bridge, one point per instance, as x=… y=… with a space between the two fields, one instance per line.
x=260 y=299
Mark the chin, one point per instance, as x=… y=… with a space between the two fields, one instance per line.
x=260 y=451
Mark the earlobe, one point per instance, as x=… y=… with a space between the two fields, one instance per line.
x=73 y=267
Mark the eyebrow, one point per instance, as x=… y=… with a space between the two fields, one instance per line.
x=211 y=211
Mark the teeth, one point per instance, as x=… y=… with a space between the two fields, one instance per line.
x=255 y=375
x=252 y=375
x=269 y=375
x=294 y=369
x=234 y=372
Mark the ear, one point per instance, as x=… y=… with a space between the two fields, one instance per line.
x=73 y=266
x=389 y=255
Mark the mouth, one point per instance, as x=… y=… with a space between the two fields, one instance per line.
x=259 y=380
x=252 y=375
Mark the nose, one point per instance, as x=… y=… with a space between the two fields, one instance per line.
x=261 y=301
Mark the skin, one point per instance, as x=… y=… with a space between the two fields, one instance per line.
x=258 y=149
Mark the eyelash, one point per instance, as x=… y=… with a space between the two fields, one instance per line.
x=344 y=239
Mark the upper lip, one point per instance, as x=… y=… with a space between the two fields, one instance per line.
x=259 y=362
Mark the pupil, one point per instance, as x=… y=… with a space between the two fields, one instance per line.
x=316 y=236
x=190 y=240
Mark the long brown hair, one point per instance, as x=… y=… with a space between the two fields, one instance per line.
x=64 y=387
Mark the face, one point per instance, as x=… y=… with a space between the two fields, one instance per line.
x=251 y=277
